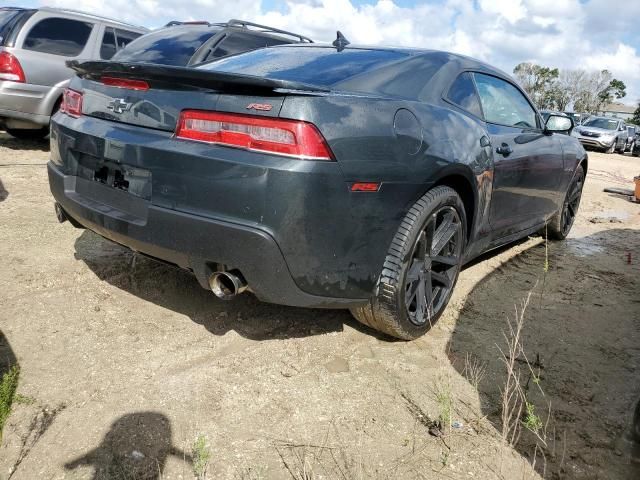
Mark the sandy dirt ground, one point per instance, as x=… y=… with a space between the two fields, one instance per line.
x=125 y=362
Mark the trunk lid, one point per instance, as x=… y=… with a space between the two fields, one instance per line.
x=173 y=89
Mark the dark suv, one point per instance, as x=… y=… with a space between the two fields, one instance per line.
x=190 y=43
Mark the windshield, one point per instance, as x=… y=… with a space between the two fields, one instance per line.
x=169 y=46
x=316 y=66
x=603 y=123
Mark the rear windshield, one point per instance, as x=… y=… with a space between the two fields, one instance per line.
x=8 y=18
x=317 y=66
x=170 y=46
x=378 y=72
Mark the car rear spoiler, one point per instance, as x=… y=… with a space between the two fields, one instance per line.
x=196 y=77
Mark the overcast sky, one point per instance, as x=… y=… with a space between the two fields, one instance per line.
x=590 y=34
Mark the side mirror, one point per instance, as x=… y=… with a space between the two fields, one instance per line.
x=557 y=123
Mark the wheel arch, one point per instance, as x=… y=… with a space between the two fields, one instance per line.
x=585 y=163
x=459 y=180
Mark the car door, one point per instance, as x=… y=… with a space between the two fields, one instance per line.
x=528 y=164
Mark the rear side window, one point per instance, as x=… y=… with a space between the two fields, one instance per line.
x=10 y=20
x=125 y=37
x=114 y=40
x=463 y=93
x=239 y=42
x=108 y=46
x=169 y=46
x=58 y=36
x=504 y=104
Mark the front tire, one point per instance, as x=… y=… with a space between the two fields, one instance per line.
x=560 y=224
x=612 y=148
x=421 y=267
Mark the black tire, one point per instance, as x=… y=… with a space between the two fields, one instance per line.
x=29 y=134
x=560 y=224
x=415 y=268
x=612 y=148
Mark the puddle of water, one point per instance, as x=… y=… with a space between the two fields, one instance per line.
x=583 y=248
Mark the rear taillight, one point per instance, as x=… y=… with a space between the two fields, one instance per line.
x=260 y=134
x=71 y=103
x=10 y=68
x=125 y=83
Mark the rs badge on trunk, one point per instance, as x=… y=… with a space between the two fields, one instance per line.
x=119 y=106
x=263 y=107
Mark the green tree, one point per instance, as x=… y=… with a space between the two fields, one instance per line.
x=538 y=82
x=615 y=90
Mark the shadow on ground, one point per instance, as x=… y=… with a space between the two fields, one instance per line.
x=3 y=192
x=136 y=446
x=582 y=337
x=179 y=291
x=13 y=143
x=7 y=357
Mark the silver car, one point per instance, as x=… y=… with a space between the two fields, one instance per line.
x=34 y=46
x=605 y=133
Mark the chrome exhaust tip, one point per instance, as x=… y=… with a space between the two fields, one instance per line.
x=226 y=285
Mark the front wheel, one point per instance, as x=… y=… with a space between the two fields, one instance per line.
x=612 y=148
x=421 y=267
x=560 y=224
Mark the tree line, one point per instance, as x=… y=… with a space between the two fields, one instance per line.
x=554 y=89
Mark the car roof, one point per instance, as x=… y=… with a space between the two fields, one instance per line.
x=466 y=63
x=90 y=16
x=236 y=25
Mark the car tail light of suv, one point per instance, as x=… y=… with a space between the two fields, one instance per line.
x=71 y=103
x=10 y=68
x=260 y=134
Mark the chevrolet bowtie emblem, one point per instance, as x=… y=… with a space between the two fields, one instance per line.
x=119 y=106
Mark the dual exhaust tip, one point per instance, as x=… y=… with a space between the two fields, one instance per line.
x=226 y=285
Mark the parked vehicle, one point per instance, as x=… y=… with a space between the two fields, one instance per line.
x=359 y=178
x=547 y=113
x=632 y=131
x=190 y=43
x=604 y=133
x=578 y=118
x=635 y=149
x=34 y=46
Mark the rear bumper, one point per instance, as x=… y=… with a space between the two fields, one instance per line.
x=189 y=241
x=24 y=103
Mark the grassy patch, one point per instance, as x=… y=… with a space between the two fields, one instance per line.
x=8 y=387
x=201 y=456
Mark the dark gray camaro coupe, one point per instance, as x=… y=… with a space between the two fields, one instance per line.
x=359 y=178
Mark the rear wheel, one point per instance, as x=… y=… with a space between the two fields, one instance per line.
x=29 y=134
x=421 y=267
x=560 y=224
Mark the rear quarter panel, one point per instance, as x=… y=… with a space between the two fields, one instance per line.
x=406 y=161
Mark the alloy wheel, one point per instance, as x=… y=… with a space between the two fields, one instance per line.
x=434 y=265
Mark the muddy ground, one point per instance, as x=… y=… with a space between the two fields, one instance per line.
x=125 y=362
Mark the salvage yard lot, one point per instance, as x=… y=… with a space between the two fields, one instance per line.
x=125 y=361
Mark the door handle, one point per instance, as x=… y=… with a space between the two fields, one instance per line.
x=504 y=149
